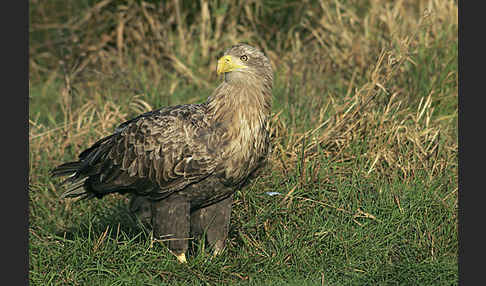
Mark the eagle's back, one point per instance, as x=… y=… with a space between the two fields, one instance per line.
x=156 y=153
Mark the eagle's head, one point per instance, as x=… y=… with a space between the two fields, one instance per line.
x=242 y=62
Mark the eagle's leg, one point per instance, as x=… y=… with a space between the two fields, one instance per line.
x=170 y=221
x=141 y=208
x=213 y=221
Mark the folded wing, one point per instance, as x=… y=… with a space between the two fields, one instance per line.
x=157 y=153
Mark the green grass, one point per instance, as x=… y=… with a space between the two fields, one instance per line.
x=368 y=198
x=351 y=231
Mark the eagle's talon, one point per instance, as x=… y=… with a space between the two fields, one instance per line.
x=181 y=257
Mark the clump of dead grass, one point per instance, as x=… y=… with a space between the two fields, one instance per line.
x=399 y=140
x=185 y=37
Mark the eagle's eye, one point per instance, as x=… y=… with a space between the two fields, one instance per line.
x=244 y=58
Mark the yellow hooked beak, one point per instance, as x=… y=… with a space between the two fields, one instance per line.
x=228 y=64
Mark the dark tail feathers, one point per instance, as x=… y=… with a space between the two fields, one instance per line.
x=66 y=169
x=73 y=184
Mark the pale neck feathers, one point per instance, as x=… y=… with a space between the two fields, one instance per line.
x=239 y=108
x=242 y=102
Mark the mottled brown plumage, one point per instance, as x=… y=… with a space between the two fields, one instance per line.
x=183 y=163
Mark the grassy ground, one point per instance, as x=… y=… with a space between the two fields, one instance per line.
x=364 y=139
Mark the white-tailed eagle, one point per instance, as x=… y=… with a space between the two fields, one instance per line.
x=183 y=163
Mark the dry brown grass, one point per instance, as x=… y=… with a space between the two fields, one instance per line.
x=167 y=38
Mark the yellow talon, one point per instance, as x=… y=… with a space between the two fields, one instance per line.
x=182 y=258
x=217 y=252
x=218 y=248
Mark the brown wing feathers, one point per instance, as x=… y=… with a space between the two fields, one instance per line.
x=153 y=151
